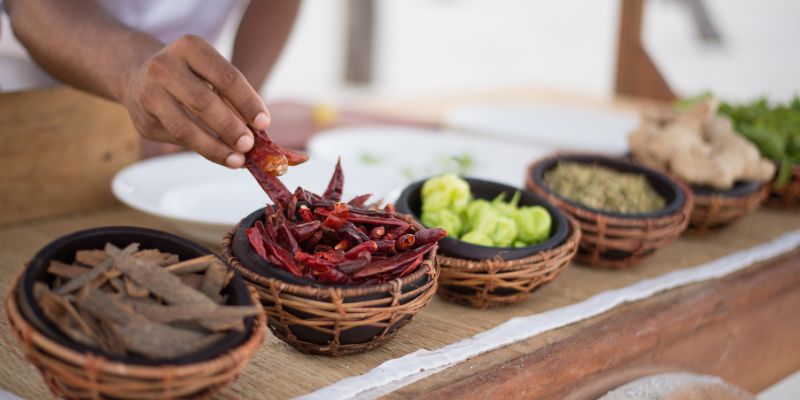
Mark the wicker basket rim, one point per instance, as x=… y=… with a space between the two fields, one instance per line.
x=35 y=337
x=520 y=263
x=428 y=267
x=611 y=219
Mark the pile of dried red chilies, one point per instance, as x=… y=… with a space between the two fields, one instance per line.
x=323 y=239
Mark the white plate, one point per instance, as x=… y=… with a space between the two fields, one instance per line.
x=402 y=154
x=558 y=126
x=204 y=200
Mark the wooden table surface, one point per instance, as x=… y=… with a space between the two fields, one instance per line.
x=742 y=327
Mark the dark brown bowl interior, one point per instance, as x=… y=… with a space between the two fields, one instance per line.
x=410 y=202
x=241 y=249
x=665 y=186
x=64 y=248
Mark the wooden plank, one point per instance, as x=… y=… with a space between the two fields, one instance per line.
x=742 y=328
x=636 y=74
x=59 y=149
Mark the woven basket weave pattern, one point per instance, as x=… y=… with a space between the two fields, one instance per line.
x=711 y=211
x=73 y=375
x=498 y=282
x=603 y=235
x=331 y=311
x=787 y=196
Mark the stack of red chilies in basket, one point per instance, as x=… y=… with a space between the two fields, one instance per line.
x=323 y=239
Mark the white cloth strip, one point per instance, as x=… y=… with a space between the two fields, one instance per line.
x=396 y=373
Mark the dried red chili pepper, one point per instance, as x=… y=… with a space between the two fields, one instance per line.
x=336 y=184
x=334 y=255
x=304 y=231
x=266 y=157
x=430 y=235
x=334 y=222
x=351 y=266
x=359 y=201
x=284 y=258
x=305 y=214
x=404 y=242
x=390 y=264
x=369 y=246
x=343 y=245
x=352 y=232
x=254 y=237
x=323 y=270
x=386 y=246
x=377 y=232
x=411 y=267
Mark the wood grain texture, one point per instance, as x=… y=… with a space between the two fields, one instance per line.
x=59 y=149
x=636 y=74
x=742 y=328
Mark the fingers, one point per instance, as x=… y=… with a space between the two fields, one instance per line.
x=211 y=109
x=206 y=62
x=183 y=130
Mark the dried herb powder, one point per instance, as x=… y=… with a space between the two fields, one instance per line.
x=603 y=188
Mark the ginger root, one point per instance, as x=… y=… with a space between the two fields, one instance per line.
x=700 y=147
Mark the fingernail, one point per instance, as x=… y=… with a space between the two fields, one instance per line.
x=261 y=122
x=235 y=160
x=245 y=143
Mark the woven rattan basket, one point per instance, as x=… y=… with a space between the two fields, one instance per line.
x=498 y=282
x=714 y=210
x=788 y=195
x=335 y=321
x=616 y=242
x=74 y=375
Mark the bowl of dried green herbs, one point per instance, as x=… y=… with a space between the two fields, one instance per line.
x=626 y=211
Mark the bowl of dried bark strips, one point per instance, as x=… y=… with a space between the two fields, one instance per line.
x=334 y=277
x=123 y=312
x=625 y=211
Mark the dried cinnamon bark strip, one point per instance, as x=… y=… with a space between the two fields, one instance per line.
x=156 y=257
x=192 y=280
x=61 y=313
x=65 y=270
x=187 y=312
x=198 y=264
x=95 y=272
x=213 y=281
x=160 y=282
x=92 y=258
x=150 y=339
x=134 y=290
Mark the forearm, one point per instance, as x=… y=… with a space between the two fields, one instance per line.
x=262 y=33
x=77 y=42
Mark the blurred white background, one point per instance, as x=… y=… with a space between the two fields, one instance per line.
x=426 y=47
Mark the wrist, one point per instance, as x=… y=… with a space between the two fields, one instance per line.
x=142 y=49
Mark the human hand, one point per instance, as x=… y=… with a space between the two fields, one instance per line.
x=188 y=94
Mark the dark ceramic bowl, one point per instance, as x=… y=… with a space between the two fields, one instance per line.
x=739 y=189
x=665 y=186
x=64 y=248
x=256 y=267
x=410 y=202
